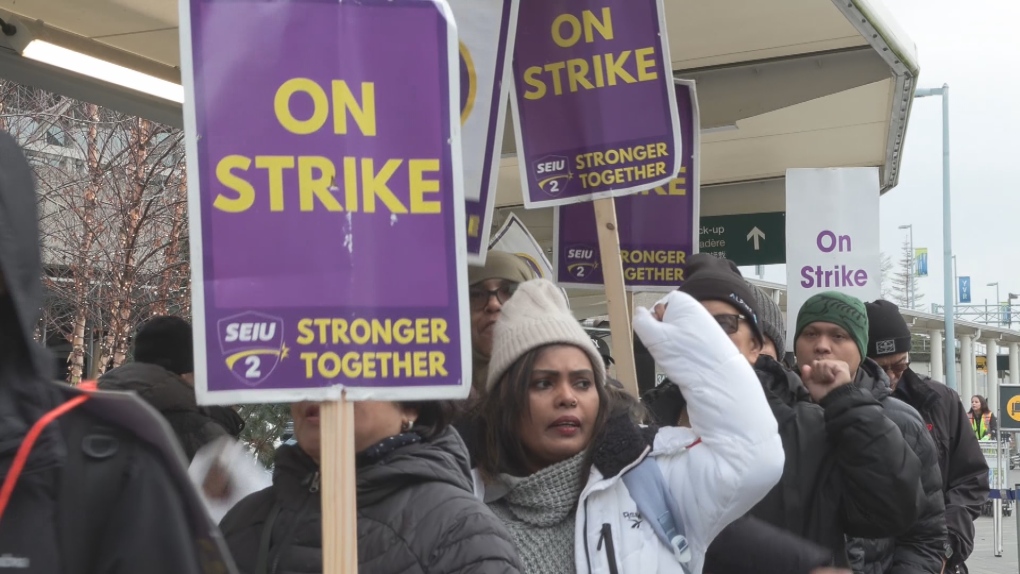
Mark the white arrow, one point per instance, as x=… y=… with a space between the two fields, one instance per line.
x=758 y=235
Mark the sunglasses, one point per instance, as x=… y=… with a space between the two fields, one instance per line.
x=897 y=369
x=480 y=296
x=730 y=323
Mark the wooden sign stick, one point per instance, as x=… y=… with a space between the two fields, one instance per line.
x=616 y=295
x=339 y=488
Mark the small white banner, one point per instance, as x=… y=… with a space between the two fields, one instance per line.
x=831 y=236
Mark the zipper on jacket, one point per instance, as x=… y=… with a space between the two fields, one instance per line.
x=587 y=552
x=607 y=537
x=314 y=486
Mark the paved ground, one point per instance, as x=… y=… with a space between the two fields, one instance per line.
x=983 y=560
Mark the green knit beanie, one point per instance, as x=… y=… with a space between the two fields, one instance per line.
x=839 y=309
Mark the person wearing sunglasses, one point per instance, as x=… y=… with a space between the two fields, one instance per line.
x=491 y=286
x=832 y=448
x=963 y=467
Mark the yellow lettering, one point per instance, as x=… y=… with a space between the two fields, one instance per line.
x=309 y=359
x=575 y=30
x=577 y=74
x=437 y=364
x=245 y=192
x=420 y=186
x=306 y=336
x=351 y=183
x=555 y=69
x=368 y=365
x=376 y=185
x=439 y=331
x=311 y=187
x=329 y=365
x=645 y=58
x=340 y=332
x=405 y=331
x=591 y=23
x=381 y=333
x=275 y=164
x=352 y=365
x=421 y=368
x=363 y=114
x=614 y=68
x=360 y=332
x=320 y=106
x=536 y=83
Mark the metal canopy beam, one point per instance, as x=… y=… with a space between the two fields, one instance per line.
x=86 y=88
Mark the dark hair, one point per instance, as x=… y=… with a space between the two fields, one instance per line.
x=984 y=404
x=433 y=416
x=502 y=410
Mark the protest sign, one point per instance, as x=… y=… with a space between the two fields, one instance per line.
x=658 y=228
x=515 y=238
x=326 y=200
x=831 y=236
x=594 y=107
x=487 y=30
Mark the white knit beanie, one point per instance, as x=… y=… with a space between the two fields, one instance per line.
x=537 y=315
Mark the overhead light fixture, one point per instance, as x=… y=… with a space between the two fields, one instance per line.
x=37 y=41
x=73 y=61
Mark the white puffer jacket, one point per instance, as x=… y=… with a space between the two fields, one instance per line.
x=716 y=470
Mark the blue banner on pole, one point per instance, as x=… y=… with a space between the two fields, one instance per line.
x=921 y=261
x=964 y=289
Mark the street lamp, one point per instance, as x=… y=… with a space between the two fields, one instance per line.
x=947 y=234
x=998 y=306
x=910 y=284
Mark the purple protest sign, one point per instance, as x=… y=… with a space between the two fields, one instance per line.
x=487 y=29
x=326 y=200
x=594 y=110
x=658 y=228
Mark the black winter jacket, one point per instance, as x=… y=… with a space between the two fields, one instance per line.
x=416 y=514
x=964 y=470
x=193 y=425
x=836 y=481
x=149 y=519
x=921 y=549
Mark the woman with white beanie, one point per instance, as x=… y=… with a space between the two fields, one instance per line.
x=580 y=486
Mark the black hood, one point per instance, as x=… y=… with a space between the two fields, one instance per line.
x=443 y=458
x=23 y=364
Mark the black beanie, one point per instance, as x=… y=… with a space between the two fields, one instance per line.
x=710 y=278
x=165 y=341
x=887 y=332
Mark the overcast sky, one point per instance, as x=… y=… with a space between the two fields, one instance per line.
x=973 y=46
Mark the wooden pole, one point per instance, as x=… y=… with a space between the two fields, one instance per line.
x=339 y=488
x=616 y=294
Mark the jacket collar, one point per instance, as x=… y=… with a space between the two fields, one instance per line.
x=917 y=388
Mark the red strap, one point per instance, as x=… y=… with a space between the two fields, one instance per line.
x=33 y=434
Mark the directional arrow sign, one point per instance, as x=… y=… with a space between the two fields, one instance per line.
x=757 y=235
x=748 y=239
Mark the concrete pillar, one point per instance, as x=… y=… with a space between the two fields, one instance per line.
x=991 y=353
x=1014 y=363
x=967 y=369
x=936 y=356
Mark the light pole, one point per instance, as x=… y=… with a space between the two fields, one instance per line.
x=956 y=282
x=947 y=234
x=911 y=271
x=998 y=306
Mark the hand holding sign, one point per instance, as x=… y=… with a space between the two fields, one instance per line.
x=821 y=377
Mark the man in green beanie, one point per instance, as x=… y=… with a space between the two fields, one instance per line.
x=490 y=287
x=831 y=345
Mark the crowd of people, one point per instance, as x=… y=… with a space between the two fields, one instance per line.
x=847 y=461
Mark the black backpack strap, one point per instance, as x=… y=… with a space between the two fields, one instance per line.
x=92 y=478
x=262 y=563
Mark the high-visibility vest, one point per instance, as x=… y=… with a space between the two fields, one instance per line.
x=982 y=426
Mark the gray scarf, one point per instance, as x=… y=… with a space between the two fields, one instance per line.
x=539 y=512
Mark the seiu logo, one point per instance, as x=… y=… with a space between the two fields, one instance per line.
x=580 y=253
x=250 y=332
x=551 y=166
